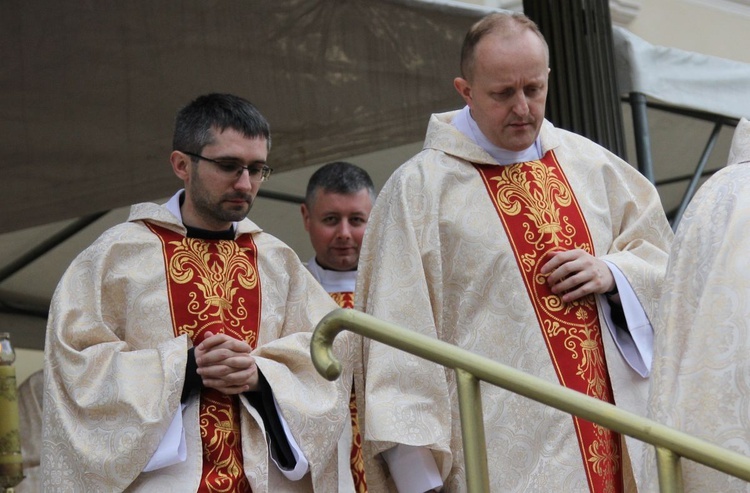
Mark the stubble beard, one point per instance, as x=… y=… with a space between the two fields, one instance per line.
x=218 y=211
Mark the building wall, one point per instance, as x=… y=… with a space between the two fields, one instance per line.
x=702 y=26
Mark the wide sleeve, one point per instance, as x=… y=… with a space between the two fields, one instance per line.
x=399 y=281
x=640 y=233
x=113 y=369
x=315 y=409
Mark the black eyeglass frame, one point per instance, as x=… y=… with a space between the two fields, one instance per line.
x=265 y=171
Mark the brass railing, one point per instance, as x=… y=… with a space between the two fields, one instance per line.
x=470 y=368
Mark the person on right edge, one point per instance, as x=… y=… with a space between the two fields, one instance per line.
x=525 y=244
x=701 y=376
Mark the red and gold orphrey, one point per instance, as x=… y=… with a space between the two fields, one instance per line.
x=213 y=286
x=357 y=462
x=540 y=215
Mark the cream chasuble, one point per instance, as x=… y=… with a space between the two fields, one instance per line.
x=437 y=260
x=540 y=215
x=700 y=382
x=115 y=369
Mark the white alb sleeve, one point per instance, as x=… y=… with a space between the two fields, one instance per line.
x=413 y=469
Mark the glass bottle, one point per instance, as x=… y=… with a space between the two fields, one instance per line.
x=11 y=462
x=7 y=353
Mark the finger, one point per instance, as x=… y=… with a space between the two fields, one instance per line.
x=559 y=258
x=233 y=363
x=568 y=275
x=578 y=293
x=224 y=389
x=237 y=361
x=232 y=378
x=225 y=342
x=211 y=340
x=554 y=260
x=214 y=350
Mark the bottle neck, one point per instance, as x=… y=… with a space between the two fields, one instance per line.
x=7 y=353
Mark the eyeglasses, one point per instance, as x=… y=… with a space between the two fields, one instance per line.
x=231 y=169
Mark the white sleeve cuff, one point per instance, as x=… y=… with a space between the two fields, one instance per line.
x=172 y=448
x=302 y=466
x=638 y=348
x=413 y=469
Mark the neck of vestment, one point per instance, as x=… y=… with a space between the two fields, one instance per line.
x=213 y=286
x=540 y=215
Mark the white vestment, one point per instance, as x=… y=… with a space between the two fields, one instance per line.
x=115 y=369
x=334 y=281
x=436 y=260
x=701 y=372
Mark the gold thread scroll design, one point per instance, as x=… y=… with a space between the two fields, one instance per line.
x=542 y=195
x=545 y=229
x=217 y=273
x=221 y=417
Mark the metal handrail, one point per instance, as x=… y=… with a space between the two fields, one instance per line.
x=470 y=368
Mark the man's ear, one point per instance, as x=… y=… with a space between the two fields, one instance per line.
x=179 y=163
x=464 y=89
x=305 y=217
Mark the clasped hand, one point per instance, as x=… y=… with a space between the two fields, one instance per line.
x=225 y=364
x=573 y=274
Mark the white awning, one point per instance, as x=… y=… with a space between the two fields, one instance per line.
x=681 y=78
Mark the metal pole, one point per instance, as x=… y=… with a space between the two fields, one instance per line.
x=670 y=471
x=472 y=427
x=693 y=185
x=641 y=134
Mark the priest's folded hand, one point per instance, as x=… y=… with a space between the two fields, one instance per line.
x=225 y=364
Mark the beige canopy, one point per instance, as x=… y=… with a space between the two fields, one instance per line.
x=89 y=90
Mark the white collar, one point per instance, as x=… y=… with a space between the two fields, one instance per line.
x=465 y=123
x=333 y=281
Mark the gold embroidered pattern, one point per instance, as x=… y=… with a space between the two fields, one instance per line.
x=534 y=191
x=540 y=215
x=220 y=431
x=343 y=299
x=220 y=274
x=213 y=285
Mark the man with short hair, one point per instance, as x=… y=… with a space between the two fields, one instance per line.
x=514 y=240
x=337 y=206
x=177 y=352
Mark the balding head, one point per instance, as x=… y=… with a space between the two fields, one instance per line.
x=503 y=23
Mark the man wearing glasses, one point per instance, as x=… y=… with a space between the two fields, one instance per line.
x=177 y=355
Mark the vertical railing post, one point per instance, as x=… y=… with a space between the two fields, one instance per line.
x=670 y=471
x=472 y=426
